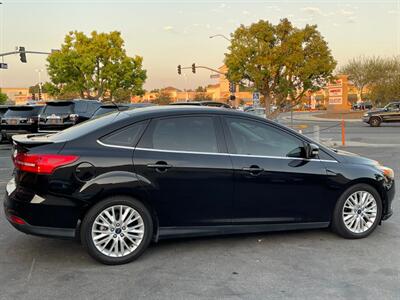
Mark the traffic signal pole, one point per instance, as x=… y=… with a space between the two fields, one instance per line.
x=27 y=51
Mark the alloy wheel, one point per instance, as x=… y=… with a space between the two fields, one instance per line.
x=117 y=230
x=359 y=212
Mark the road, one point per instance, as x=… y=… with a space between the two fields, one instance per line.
x=313 y=264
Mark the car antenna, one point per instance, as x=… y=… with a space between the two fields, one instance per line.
x=116 y=105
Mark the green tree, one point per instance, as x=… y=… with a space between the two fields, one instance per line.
x=281 y=61
x=95 y=66
x=3 y=98
x=202 y=96
x=163 y=98
x=122 y=96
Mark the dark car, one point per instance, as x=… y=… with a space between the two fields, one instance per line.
x=107 y=108
x=59 y=115
x=20 y=120
x=362 y=105
x=203 y=103
x=3 y=109
x=122 y=180
x=389 y=114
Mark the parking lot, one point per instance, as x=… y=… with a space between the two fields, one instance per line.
x=313 y=264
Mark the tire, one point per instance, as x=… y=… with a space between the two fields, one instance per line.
x=127 y=240
x=375 y=122
x=365 y=215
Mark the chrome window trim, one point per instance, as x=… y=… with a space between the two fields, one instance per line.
x=213 y=153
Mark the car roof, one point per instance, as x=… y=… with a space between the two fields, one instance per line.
x=166 y=110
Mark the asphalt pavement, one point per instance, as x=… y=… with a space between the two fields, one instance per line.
x=312 y=264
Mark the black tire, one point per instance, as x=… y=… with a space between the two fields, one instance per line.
x=375 y=122
x=338 y=224
x=87 y=223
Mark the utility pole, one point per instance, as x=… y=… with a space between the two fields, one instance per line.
x=39 y=71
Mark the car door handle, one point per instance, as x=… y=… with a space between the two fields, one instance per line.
x=160 y=166
x=253 y=170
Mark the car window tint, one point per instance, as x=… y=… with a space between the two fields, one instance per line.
x=127 y=136
x=185 y=134
x=255 y=138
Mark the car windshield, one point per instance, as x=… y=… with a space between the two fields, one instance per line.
x=59 y=108
x=21 y=112
x=392 y=106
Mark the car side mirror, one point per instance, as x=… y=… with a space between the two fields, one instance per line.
x=312 y=150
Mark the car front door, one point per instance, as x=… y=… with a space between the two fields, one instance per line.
x=274 y=183
x=186 y=174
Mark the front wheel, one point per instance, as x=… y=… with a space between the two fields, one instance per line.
x=375 y=122
x=117 y=230
x=357 y=212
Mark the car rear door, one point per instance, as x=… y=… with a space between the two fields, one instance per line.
x=273 y=182
x=186 y=173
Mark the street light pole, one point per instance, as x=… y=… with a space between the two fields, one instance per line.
x=220 y=35
x=39 y=71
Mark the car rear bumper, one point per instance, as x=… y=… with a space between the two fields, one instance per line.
x=39 y=218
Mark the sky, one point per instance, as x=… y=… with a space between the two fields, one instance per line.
x=169 y=33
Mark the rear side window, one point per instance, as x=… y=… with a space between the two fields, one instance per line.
x=21 y=112
x=127 y=136
x=195 y=134
x=62 y=108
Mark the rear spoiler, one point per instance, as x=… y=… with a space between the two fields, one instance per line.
x=31 y=139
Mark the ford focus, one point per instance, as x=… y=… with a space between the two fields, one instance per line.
x=123 y=180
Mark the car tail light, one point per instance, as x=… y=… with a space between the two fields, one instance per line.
x=42 y=163
x=73 y=117
x=16 y=220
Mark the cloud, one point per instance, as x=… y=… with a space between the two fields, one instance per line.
x=312 y=10
x=351 y=19
x=245 y=12
x=346 y=13
x=168 y=28
x=394 y=12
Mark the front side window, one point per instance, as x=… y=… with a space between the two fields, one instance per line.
x=195 y=134
x=256 y=138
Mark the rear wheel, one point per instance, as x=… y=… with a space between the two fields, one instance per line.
x=117 y=230
x=375 y=122
x=357 y=212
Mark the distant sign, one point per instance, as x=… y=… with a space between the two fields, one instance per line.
x=214 y=76
x=256 y=98
x=335 y=100
x=3 y=66
x=335 y=92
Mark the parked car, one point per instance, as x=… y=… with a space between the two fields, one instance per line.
x=3 y=109
x=108 y=108
x=59 y=115
x=389 y=114
x=203 y=103
x=258 y=111
x=20 y=120
x=362 y=105
x=122 y=180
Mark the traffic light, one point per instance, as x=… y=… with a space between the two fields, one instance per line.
x=40 y=95
x=231 y=87
x=179 y=69
x=33 y=96
x=22 y=54
x=194 y=68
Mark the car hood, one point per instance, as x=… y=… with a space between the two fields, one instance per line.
x=352 y=158
x=376 y=111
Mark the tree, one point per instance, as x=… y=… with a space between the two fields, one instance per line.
x=162 y=98
x=95 y=66
x=281 y=61
x=3 y=98
x=200 y=89
x=363 y=71
x=202 y=96
x=122 y=96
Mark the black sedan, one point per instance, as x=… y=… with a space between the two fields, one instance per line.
x=123 y=180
